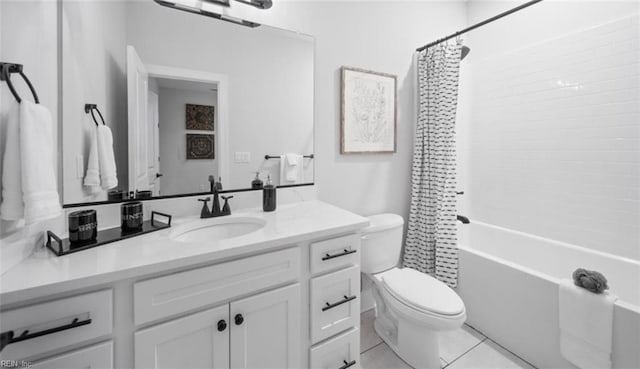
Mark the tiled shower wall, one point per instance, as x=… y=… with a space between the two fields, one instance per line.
x=554 y=138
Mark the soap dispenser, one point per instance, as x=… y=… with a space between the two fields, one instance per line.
x=257 y=182
x=269 y=196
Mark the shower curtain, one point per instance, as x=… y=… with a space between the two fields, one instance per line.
x=431 y=245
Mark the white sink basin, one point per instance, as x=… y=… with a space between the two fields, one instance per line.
x=216 y=229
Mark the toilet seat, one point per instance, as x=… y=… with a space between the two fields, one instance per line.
x=421 y=292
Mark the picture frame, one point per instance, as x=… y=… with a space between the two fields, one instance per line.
x=368 y=112
x=200 y=146
x=200 y=117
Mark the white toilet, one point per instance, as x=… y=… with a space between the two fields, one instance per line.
x=411 y=307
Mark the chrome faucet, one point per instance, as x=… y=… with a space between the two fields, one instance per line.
x=215 y=211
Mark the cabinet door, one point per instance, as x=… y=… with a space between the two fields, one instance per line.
x=197 y=341
x=94 y=357
x=265 y=330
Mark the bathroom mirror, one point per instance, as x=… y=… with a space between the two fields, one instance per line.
x=188 y=99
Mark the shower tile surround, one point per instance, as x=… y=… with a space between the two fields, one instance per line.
x=555 y=136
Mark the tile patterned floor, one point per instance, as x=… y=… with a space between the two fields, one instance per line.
x=464 y=348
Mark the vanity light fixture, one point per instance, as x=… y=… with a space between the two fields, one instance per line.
x=260 y=4
x=206 y=13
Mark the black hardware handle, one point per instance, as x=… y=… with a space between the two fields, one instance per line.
x=5 y=75
x=206 y=199
x=347 y=364
x=345 y=252
x=157 y=213
x=89 y=108
x=222 y=325
x=8 y=338
x=267 y=157
x=459 y=192
x=331 y=306
x=238 y=319
x=158 y=175
x=226 y=197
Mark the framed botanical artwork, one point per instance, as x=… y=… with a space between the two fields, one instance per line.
x=200 y=117
x=200 y=146
x=368 y=116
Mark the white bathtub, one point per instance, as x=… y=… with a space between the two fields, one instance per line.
x=509 y=283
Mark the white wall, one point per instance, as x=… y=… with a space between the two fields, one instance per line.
x=179 y=174
x=94 y=55
x=554 y=122
x=374 y=35
x=28 y=35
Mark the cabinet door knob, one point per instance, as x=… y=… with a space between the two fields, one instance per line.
x=222 y=325
x=239 y=319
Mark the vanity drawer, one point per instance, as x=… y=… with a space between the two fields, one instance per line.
x=335 y=253
x=185 y=291
x=340 y=352
x=93 y=357
x=51 y=324
x=335 y=303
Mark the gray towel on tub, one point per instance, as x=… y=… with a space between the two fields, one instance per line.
x=590 y=280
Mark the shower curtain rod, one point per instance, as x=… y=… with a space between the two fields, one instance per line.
x=486 y=21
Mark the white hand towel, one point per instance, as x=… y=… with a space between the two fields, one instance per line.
x=291 y=170
x=12 y=207
x=586 y=324
x=108 y=174
x=39 y=187
x=92 y=177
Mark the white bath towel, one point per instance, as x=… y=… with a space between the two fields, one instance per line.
x=12 y=207
x=586 y=324
x=38 y=173
x=291 y=169
x=92 y=176
x=106 y=158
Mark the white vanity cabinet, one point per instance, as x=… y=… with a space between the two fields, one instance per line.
x=287 y=296
x=93 y=357
x=335 y=303
x=260 y=331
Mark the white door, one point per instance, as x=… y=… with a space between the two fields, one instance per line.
x=93 y=357
x=137 y=88
x=265 y=330
x=153 y=144
x=197 y=341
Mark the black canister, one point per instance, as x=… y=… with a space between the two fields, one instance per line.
x=146 y=194
x=131 y=216
x=83 y=226
x=269 y=196
x=116 y=195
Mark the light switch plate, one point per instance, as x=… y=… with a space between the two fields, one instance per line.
x=242 y=157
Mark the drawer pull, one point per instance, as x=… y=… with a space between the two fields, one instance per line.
x=222 y=325
x=345 y=252
x=7 y=338
x=347 y=364
x=331 y=306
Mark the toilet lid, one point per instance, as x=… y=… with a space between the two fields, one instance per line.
x=422 y=292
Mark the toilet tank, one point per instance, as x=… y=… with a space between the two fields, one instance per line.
x=381 y=243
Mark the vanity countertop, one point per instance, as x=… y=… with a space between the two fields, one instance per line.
x=44 y=274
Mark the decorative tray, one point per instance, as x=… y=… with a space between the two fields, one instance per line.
x=106 y=236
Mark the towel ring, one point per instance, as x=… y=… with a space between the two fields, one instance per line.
x=7 y=69
x=89 y=108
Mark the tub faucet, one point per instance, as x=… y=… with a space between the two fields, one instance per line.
x=463 y=219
